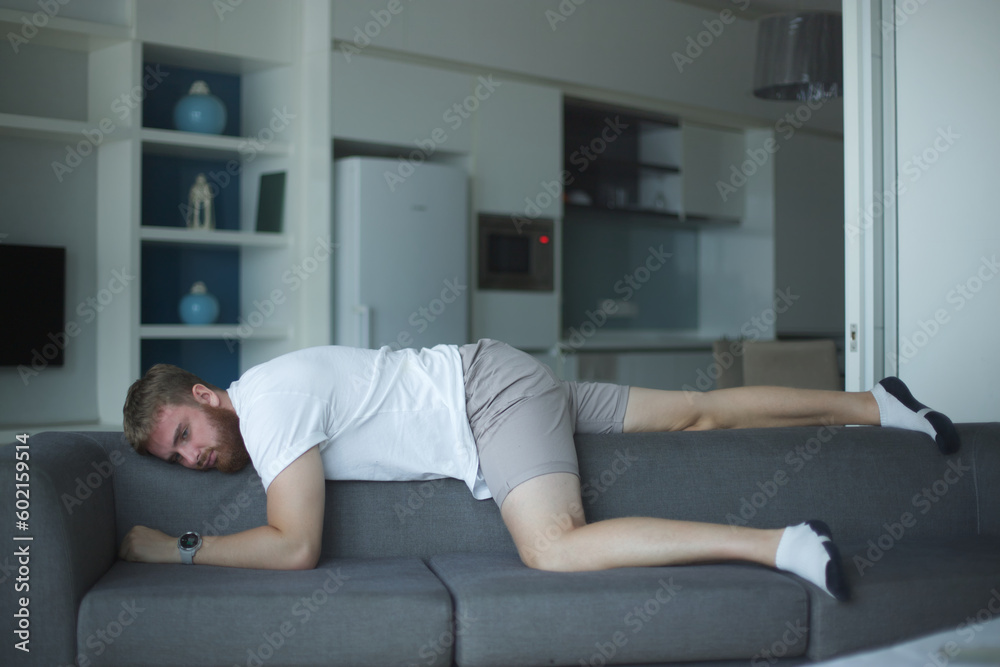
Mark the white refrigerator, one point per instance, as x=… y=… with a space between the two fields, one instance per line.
x=401 y=275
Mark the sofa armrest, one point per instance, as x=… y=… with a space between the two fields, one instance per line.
x=72 y=525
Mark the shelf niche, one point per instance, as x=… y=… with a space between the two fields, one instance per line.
x=158 y=105
x=213 y=360
x=171 y=161
x=620 y=160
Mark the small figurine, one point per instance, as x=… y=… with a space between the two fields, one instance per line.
x=199 y=212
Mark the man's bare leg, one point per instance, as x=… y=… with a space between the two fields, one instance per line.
x=890 y=403
x=746 y=407
x=545 y=518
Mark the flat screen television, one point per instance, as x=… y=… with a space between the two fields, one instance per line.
x=33 y=283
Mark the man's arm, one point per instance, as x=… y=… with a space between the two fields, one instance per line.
x=291 y=540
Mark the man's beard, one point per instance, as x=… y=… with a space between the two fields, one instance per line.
x=230 y=448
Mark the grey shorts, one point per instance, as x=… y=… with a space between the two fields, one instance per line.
x=523 y=417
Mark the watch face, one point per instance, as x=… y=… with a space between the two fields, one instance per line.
x=189 y=540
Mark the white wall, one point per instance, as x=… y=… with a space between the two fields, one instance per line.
x=43 y=208
x=736 y=263
x=40 y=210
x=947 y=92
x=625 y=46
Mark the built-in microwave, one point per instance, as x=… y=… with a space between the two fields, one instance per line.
x=516 y=254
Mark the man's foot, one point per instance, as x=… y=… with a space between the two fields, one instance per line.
x=808 y=551
x=898 y=408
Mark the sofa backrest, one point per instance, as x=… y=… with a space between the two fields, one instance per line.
x=861 y=481
x=362 y=519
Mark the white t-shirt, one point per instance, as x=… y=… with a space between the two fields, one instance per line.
x=379 y=415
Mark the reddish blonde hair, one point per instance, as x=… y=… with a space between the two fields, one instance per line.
x=162 y=385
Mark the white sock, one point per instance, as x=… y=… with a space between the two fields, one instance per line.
x=898 y=408
x=806 y=550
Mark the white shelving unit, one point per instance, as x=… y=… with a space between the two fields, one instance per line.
x=211 y=332
x=32 y=127
x=61 y=32
x=222 y=237
x=191 y=144
x=86 y=70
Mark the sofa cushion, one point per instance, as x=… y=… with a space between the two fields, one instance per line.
x=620 y=616
x=901 y=589
x=345 y=612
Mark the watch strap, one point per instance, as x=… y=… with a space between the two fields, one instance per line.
x=187 y=555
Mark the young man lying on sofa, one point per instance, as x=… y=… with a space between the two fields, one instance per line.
x=484 y=413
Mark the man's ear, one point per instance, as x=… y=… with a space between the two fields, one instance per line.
x=204 y=395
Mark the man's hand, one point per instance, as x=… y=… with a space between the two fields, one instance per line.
x=148 y=545
x=292 y=540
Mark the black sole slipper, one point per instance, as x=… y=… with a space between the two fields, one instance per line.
x=836 y=579
x=947 y=436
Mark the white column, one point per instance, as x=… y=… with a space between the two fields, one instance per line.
x=314 y=155
x=947 y=93
x=864 y=195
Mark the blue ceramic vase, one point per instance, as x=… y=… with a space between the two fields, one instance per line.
x=200 y=111
x=198 y=306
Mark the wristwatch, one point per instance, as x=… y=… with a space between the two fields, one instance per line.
x=188 y=544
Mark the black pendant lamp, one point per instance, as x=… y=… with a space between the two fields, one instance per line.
x=799 y=57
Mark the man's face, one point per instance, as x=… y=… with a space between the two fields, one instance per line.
x=199 y=437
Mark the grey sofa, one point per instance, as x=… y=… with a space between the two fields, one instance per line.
x=423 y=574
